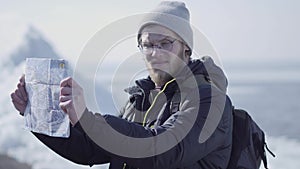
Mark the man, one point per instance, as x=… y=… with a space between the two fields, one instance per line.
x=178 y=117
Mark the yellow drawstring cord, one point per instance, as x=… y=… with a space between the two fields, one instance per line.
x=155 y=98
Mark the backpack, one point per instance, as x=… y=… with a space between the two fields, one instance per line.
x=248 y=139
x=248 y=142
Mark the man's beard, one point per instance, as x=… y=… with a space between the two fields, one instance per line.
x=160 y=77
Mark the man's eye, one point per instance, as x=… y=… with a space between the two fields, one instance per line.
x=165 y=44
x=147 y=45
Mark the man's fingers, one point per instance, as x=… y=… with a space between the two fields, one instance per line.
x=65 y=91
x=22 y=91
x=19 y=107
x=65 y=105
x=65 y=98
x=19 y=96
x=22 y=79
x=16 y=99
x=17 y=93
x=67 y=82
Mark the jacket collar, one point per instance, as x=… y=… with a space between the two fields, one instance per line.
x=204 y=66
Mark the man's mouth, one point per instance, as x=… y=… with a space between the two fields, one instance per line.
x=159 y=63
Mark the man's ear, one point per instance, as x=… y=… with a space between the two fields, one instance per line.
x=187 y=52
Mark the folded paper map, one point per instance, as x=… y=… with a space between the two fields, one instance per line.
x=43 y=114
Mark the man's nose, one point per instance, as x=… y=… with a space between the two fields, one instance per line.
x=157 y=50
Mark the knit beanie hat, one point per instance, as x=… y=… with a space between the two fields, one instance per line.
x=173 y=15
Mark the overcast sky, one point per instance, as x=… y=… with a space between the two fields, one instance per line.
x=247 y=29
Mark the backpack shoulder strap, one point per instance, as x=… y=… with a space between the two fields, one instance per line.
x=239 y=142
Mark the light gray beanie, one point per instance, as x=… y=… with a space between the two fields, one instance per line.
x=175 y=16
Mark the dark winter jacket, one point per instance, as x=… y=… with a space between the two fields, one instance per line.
x=186 y=125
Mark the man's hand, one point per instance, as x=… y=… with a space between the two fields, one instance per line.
x=72 y=99
x=19 y=96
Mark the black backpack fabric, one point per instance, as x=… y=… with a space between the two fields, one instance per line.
x=248 y=147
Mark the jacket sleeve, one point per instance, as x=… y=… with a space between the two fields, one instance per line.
x=78 y=148
x=182 y=131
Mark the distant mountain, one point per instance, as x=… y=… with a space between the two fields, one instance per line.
x=34 y=45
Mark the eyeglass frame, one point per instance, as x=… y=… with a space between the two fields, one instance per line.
x=158 y=45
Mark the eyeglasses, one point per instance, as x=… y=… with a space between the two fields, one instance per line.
x=147 y=48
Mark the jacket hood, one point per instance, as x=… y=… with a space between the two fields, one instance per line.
x=207 y=67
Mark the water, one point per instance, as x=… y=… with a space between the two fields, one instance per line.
x=270 y=92
x=271 y=95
